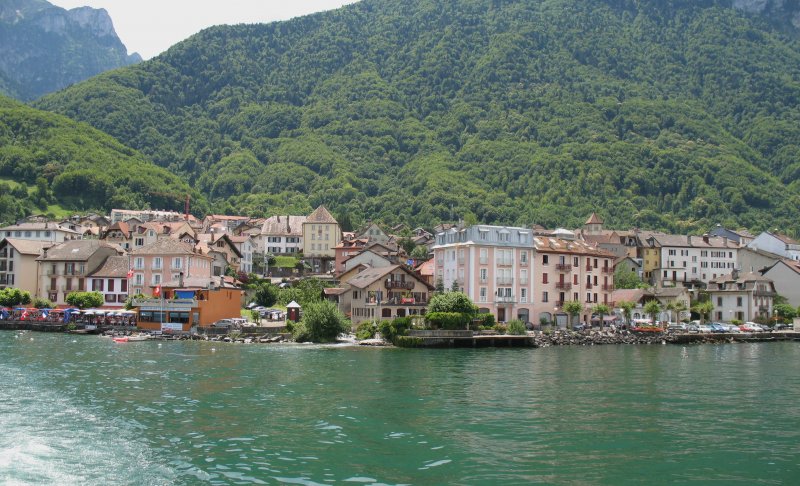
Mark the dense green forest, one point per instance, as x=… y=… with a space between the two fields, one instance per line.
x=49 y=161
x=663 y=114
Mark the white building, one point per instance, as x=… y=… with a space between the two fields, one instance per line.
x=280 y=235
x=50 y=232
x=778 y=244
x=692 y=259
x=744 y=297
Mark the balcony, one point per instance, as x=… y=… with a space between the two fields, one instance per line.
x=504 y=280
x=559 y=303
x=505 y=261
x=608 y=288
x=563 y=267
x=483 y=260
x=589 y=268
x=608 y=270
x=504 y=299
x=460 y=260
x=764 y=293
x=589 y=286
x=398 y=284
x=563 y=286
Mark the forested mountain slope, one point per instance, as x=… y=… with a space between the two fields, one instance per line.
x=49 y=160
x=669 y=114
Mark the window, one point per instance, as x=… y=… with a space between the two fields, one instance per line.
x=523 y=258
x=111 y=285
x=156 y=263
x=545 y=259
x=523 y=295
x=177 y=262
x=738 y=301
x=544 y=296
x=523 y=275
x=138 y=263
x=484 y=274
x=575 y=262
x=544 y=278
x=156 y=279
x=123 y=287
x=719 y=301
x=138 y=279
x=483 y=294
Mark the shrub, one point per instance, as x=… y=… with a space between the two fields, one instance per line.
x=517 y=328
x=323 y=321
x=485 y=320
x=299 y=332
x=500 y=328
x=448 y=320
x=407 y=342
x=736 y=322
x=84 y=300
x=365 y=330
x=451 y=302
x=40 y=303
x=266 y=294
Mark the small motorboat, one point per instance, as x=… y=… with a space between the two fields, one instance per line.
x=131 y=338
x=120 y=339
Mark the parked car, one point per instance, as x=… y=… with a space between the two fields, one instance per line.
x=751 y=327
x=781 y=326
x=717 y=327
x=732 y=328
x=222 y=323
x=677 y=327
x=699 y=328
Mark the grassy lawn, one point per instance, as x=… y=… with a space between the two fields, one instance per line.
x=285 y=261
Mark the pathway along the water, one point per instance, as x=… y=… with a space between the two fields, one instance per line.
x=84 y=410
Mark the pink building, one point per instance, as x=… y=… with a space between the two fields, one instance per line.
x=166 y=262
x=570 y=270
x=492 y=265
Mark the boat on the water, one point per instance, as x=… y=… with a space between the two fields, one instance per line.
x=132 y=338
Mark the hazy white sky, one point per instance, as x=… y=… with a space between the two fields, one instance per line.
x=150 y=27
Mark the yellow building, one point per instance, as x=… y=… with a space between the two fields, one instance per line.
x=321 y=234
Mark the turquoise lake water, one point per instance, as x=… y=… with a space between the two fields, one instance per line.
x=84 y=410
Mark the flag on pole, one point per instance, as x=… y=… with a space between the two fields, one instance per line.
x=157 y=291
x=130 y=273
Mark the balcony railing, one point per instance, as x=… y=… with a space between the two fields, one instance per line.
x=589 y=285
x=483 y=260
x=559 y=303
x=589 y=268
x=563 y=286
x=763 y=293
x=504 y=299
x=608 y=270
x=397 y=284
x=505 y=261
x=563 y=267
x=608 y=288
x=505 y=280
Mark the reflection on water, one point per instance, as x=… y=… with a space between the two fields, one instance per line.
x=144 y=413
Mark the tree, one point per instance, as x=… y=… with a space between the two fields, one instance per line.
x=573 y=308
x=653 y=309
x=602 y=310
x=322 y=322
x=266 y=294
x=703 y=308
x=84 y=300
x=454 y=287
x=785 y=312
x=420 y=253
x=680 y=308
x=627 y=310
x=439 y=289
x=624 y=278
x=451 y=302
x=42 y=303
x=11 y=296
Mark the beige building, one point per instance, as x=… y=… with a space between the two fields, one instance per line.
x=18 y=263
x=321 y=234
x=741 y=296
x=64 y=268
x=384 y=293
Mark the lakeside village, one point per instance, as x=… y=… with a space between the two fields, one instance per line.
x=171 y=274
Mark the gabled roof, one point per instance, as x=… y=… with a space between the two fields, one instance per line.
x=691 y=241
x=628 y=295
x=28 y=247
x=785 y=239
x=426 y=268
x=165 y=246
x=120 y=226
x=321 y=215
x=741 y=278
x=77 y=250
x=39 y=227
x=372 y=275
x=283 y=226
x=559 y=245
x=113 y=267
x=594 y=219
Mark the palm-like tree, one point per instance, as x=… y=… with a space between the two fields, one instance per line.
x=703 y=308
x=573 y=308
x=601 y=309
x=653 y=309
x=680 y=308
x=627 y=310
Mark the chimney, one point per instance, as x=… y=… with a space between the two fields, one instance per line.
x=735 y=274
x=725 y=241
x=689 y=240
x=288 y=229
x=705 y=238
